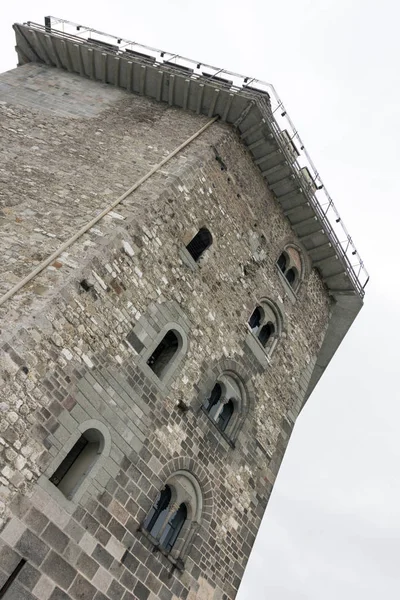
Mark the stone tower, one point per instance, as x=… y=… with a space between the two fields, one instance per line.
x=173 y=287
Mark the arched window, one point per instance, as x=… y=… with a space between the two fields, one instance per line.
x=176 y=510
x=77 y=464
x=199 y=244
x=267 y=327
x=164 y=353
x=290 y=265
x=223 y=402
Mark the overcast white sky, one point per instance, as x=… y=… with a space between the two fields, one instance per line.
x=332 y=528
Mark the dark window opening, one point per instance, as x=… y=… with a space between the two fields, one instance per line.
x=217 y=410
x=173 y=528
x=214 y=402
x=285 y=264
x=214 y=397
x=158 y=512
x=163 y=354
x=199 y=244
x=256 y=318
x=266 y=333
x=282 y=262
x=291 y=276
x=155 y=522
x=225 y=415
x=79 y=461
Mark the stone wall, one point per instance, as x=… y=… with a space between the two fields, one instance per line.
x=70 y=147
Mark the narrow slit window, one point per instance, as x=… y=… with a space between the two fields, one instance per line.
x=8 y=583
x=162 y=356
x=199 y=244
x=77 y=464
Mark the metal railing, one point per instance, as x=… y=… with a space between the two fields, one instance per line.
x=278 y=120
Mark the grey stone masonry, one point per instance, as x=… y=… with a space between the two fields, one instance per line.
x=77 y=344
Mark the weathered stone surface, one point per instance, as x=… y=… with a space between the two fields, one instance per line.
x=73 y=342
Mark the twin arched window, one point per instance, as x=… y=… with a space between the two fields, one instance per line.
x=225 y=403
x=289 y=263
x=218 y=408
x=266 y=325
x=164 y=521
x=172 y=519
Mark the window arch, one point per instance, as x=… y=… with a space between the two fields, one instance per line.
x=78 y=462
x=165 y=353
x=265 y=323
x=175 y=514
x=199 y=244
x=224 y=404
x=290 y=265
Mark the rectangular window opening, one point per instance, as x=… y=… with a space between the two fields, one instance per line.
x=74 y=468
x=68 y=461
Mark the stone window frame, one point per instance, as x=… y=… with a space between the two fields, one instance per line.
x=70 y=504
x=264 y=353
x=292 y=290
x=181 y=493
x=185 y=255
x=183 y=346
x=230 y=434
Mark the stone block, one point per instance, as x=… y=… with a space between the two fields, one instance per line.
x=12 y=531
x=17 y=592
x=59 y=570
x=82 y=589
x=102 y=579
x=141 y=591
x=32 y=548
x=43 y=588
x=115 y=591
x=74 y=530
x=58 y=594
x=9 y=559
x=28 y=576
x=101 y=555
x=88 y=543
x=36 y=520
x=55 y=538
x=86 y=565
x=115 y=548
